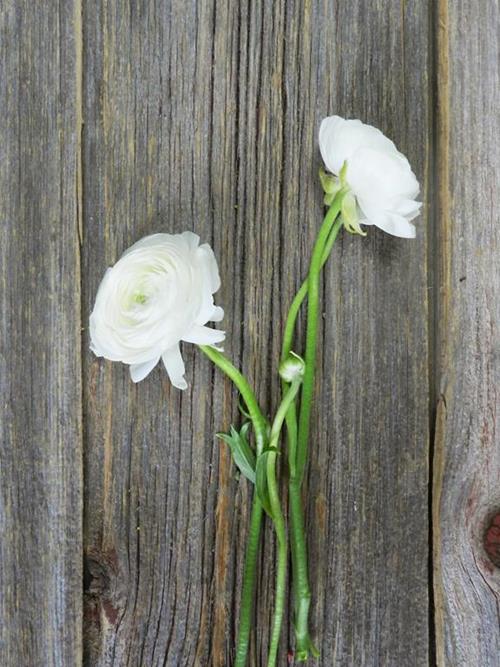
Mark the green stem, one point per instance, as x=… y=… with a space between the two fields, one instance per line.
x=301 y=589
x=259 y=422
x=260 y=427
x=297 y=438
x=302 y=293
x=328 y=225
x=279 y=526
x=249 y=573
x=278 y=519
x=291 y=320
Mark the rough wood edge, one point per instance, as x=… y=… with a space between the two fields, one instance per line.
x=437 y=487
x=443 y=295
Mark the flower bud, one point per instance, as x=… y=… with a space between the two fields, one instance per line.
x=292 y=368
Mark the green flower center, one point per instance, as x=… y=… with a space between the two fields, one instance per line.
x=139 y=298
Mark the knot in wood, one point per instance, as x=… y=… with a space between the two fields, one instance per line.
x=491 y=541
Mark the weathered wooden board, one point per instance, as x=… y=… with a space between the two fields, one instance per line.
x=467 y=452
x=369 y=470
x=204 y=116
x=40 y=338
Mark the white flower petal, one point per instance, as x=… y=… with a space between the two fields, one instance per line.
x=381 y=177
x=151 y=241
x=407 y=207
x=328 y=135
x=217 y=314
x=192 y=240
x=393 y=224
x=209 y=282
x=139 y=371
x=339 y=139
x=398 y=226
x=204 y=336
x=210 y=264
x=174 y=365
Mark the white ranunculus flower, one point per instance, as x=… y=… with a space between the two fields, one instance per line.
x=158 y=294
x=376 y=173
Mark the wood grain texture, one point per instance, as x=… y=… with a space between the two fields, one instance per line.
x=205 y=116
x=40 y=339
x=368 y=470
x=467 y=450
x=120 y=119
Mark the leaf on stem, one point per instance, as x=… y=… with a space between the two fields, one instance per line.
x=243 y=455
x=242 y=406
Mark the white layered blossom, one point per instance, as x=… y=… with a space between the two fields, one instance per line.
x=375 y=172
x=158 y=294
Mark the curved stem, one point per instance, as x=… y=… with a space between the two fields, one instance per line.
x=259 y=422
x=278 y=519
x=297 y=438
x=302 y=294
x=260 y=427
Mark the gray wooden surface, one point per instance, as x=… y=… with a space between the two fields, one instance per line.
x=466 y=471
x=41 y=440
x=122 y=520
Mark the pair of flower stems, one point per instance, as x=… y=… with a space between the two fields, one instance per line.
x=266 y=442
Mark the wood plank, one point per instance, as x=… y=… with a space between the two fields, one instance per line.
x=204 y=116
x=367 y=500
x=162 y=533
x=466 y=494
x=40 y=388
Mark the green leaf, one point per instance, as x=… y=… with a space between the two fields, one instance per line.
x=243 y=407
x=244 y=431
x=226 y=438
x=242 y=453
x=261 y=482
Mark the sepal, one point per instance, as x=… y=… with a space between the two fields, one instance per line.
x=331 y=186
x=343 y=175
x=349 y=212
x=329 y=182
